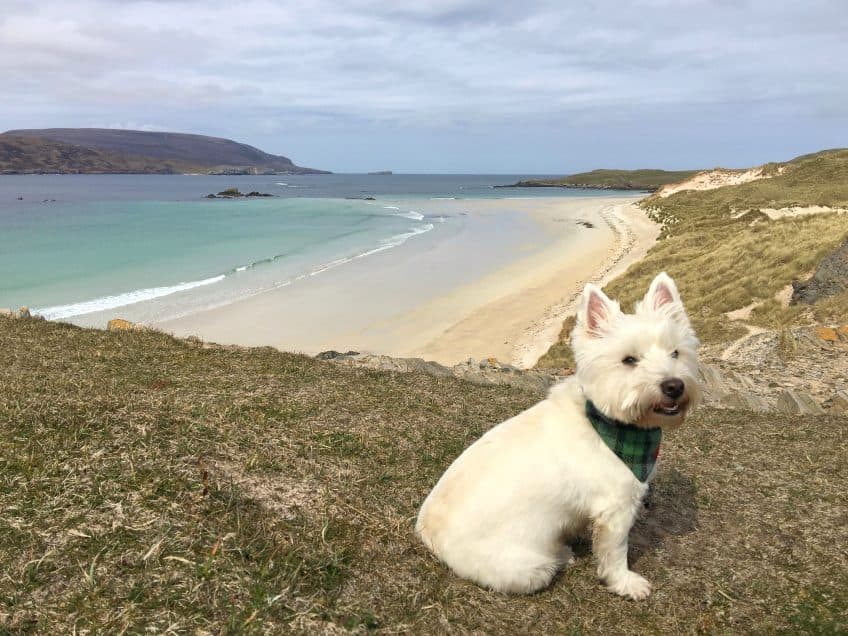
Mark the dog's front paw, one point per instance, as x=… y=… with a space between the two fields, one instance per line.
x=631 y=585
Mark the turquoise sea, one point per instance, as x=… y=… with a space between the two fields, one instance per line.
x=72 y=245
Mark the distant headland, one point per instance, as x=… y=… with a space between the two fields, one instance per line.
x=642 y=180
x=110 y=151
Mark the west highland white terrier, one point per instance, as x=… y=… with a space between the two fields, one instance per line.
x=501 y=513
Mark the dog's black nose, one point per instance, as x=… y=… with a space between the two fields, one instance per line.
x=673 y=388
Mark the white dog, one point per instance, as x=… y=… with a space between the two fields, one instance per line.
x=502 y=511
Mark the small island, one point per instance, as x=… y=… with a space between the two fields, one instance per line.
x=234 y=193
x=381 y=172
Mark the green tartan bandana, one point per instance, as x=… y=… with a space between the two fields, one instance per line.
x=637 y=447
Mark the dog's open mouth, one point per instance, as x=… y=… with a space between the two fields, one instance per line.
x=668 y=408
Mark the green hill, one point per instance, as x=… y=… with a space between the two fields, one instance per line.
x=647 y=180
x=82 y=150
x=151 y=484
x=31 y=155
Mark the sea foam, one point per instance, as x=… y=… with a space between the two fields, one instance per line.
x=412 y=214
x=385 y=244
x=58 y=312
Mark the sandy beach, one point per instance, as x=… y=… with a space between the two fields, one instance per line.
x=478 y=294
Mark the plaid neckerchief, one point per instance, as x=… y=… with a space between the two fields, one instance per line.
x=637 y=447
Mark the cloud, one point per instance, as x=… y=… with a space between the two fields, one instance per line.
x=443 y=67
x=133 y=125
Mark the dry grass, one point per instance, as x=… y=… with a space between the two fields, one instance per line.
x=725 y=254
x=150 y=484
x=560 y=355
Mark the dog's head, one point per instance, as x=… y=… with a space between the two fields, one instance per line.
x=639 y=368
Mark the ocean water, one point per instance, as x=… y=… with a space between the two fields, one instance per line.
x=73 y=245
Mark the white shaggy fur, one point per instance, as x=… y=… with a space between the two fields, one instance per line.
x=502 y=511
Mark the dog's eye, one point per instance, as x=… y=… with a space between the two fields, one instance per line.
x=674 y=353
x=630 y=361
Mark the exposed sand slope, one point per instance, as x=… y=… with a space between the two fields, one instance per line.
x=718 y=178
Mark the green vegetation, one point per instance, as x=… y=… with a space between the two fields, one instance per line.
x=150 y=484
x=649 y=180
x=725 y=254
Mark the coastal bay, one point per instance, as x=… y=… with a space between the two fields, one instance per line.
x=484 y=291
x=439 y=267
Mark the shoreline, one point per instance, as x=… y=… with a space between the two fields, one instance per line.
x=636 y=234
x=512 y=311
x=546 y=292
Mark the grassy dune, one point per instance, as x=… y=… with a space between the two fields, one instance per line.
x=148 y=483
x=725 y=254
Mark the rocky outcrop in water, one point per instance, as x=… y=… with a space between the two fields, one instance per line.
x=234 y=193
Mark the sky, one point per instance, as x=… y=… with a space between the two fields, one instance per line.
x=443 y=86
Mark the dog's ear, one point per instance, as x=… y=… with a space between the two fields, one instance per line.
x=596 y=311
x=663 y=297
x=662 y=292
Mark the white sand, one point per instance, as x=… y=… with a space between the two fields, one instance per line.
x=447 y=300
